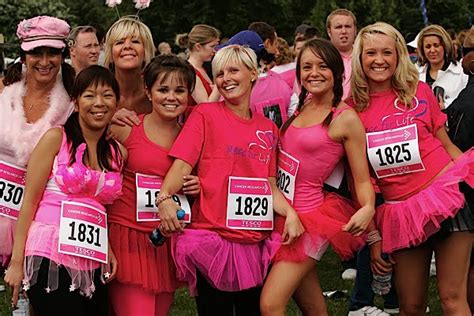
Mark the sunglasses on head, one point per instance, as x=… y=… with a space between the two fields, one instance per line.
x=466 y=50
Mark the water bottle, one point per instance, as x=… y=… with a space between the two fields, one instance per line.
x=381 y=284
x=23 y=307
x=156 y=238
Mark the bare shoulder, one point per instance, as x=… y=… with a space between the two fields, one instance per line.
x=347 y=117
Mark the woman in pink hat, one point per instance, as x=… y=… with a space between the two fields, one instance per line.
x=36 y=97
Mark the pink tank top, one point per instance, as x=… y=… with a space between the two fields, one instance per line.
x=146 y=157
x=318 y=155
x=76 y=182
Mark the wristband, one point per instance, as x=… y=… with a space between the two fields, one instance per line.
x=373 y=237
x=161 y=199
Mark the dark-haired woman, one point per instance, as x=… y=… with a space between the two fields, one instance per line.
x=61 y=242
x=146 y=278
x=36 y=97
x=322 y=131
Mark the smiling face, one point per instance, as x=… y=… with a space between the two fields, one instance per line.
x=128 y=53
x=379 y=61
x=169 y=96
x=43 y=64
x=96 y=106
x=433 y=50
x=234 y=82
x=315 y=75
x=342 y=32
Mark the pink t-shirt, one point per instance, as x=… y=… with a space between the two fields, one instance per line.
x=287 y=72
x=346 y=84
x=382 y=115
x=221 y=144
x=318 y=154
x=271 y=97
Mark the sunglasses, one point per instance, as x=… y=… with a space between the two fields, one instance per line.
x=466 y=50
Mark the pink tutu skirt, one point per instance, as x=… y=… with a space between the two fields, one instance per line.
x=42 y=242
x=410 y=222
x=7 y=231
x=323 y=226
x=140 y=263
x=226 y=265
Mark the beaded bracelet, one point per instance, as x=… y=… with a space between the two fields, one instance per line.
x=373 y=237
x=161 y=199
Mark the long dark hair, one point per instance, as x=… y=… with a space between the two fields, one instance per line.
x=331 y=56
x=107 y=149
x=13 y=73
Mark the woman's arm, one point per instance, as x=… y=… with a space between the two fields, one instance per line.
x=293 y=227
x=39 y=169
x=120 y=132
x=172 y=183
x=452 y=149
x=353 y=136
x=200 y=94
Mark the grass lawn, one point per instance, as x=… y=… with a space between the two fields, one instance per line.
x=329 y=271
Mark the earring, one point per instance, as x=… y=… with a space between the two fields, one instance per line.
x=471 y=69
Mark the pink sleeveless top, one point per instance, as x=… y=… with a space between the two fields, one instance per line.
x=77 y=183
x=318 y=155
x=146 y=157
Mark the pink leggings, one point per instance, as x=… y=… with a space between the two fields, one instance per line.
x=132 y=300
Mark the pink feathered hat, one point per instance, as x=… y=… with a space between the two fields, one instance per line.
x=42 y=31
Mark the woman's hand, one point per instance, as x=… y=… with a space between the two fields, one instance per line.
x=377 y=263
x=191 y=185
x=124 y=117
x=168 y=217
x=111 y=268
x=13 y=277
x=359 y=221
x=293 y=228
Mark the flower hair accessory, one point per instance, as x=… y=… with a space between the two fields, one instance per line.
x=139 y=4
x=142 y=4
x=112 y=3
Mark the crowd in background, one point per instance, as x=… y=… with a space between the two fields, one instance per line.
x=128 y=171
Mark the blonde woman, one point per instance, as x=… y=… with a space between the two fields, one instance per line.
x=129 y=48
x=201 y=43
x=225 y=252
x=417 y=168
x=438 y=66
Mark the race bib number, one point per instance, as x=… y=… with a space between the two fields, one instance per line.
x=148 y=188
x=394 y=151
x=249 y=204
x=286 y=174
x=83 y=231
x=12 y=189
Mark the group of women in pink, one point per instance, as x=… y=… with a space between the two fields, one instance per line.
x=256 y=219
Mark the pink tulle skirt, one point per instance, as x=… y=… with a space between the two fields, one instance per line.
x=226 y=265
x=323 y=226
x=42 y=242
x=140 y=263
x=7 y=231
x=410 y=222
